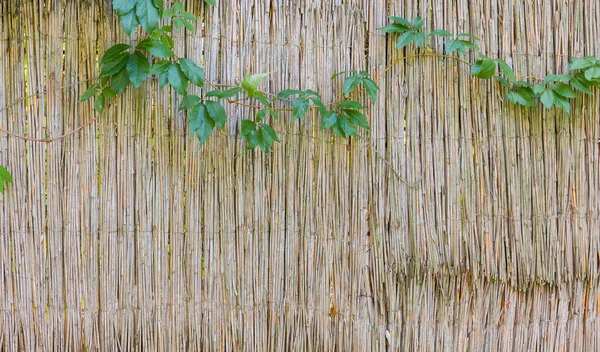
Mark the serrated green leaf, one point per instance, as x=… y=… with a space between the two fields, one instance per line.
x=405 y=39
x=484 y=69
x=319 y=104
x=200 y=123
x=177 y=79
x=300 y=106
x=419 y=39
x=329 y=120
x=538 y=89
x=452 y=46
x=271 y=132
x=286 y=93
x=251 y=82
x=583 y=63
x=264 y=139
x=5 y=175
x=507 y=70
x=192 y=71
x=217 y=112
x=261 y=97
x=564 y=90
x=92 y=91
x=177 y=7
x=358 y=119
x=155 y=48
x=547 y=98
x=347 y=125
x=350 y=105
x=372 y=88
x=523 y=96
x=178 y=23
x=108 y=93
x=224 y=94
x=137 y=69
x=440 y=33
x=402 y=21
x=100 y=103
x=168 y=41
x=114 y=59
x=417 y=23
x=163 y=79
x=147 y=14
x=120 y=81
x=189 y=101
x=160 y=67
x=581 y=84
x=249 y=132
x=121 y=7
x=503 y=81
x=189 y=16
x=190 y=27
x=394 y=28
x=350 y=84
x=129 y=22
x=168 y=13
x=469 y=44
x=592 y=72
x=562 y=103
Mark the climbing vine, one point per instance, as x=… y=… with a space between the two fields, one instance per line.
x=123 y=65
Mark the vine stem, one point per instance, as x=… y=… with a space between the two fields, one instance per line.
x=236 y=102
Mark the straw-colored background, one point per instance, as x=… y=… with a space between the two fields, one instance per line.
x=459 y=223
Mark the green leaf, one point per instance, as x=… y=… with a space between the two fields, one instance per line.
x=358 y=119
x=329 y=119
x=100 y=104
x=177 y=7
x=190 y=27
x=419 y=39
x=163 y=79
x=372 y=88
x=189 y=16
x=217 y=112
x=271 y=132
x=5 y=175
x=592 y=72
x=580 y=83
x=224 y=94
x=249 y=133
x=261 y=97
x=507 y=70
x=404 y=40
x=523 y=96
x=114 y=59
x=350 y=105
x=538 y=89
x=346 y=125
x=147 y=14
x=155 y=48
x=168 y=41
x=121 y=7
x=160 y=5
x=557 y=78
x=452 y=46
x=177 y=23
x=264 y=139
x=503 y=81
x=417 y=23
x=300 y=106
x=251 y=82
x=137 y=69
x=108 y=93
x=562 y=103
x=484 y=69
x=440 y=32
x=192 y=71
x=286 y=93
x=350 y=84
x=129 y=22
x=92 y=91
x=177 y=79
x=402 y=21
x=564 y=90
x=120 y=81
x=189 y=101
x=547 y=98
x=200 y=123
x=394 y=28
x=469 y=44
x=319 y=104
x=160 y=67
x=583 y=63
x=168 y=13
x=211 y=2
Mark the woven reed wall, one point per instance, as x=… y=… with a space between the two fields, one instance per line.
x=458 y=223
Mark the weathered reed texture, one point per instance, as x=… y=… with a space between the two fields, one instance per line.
x=457 y=223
